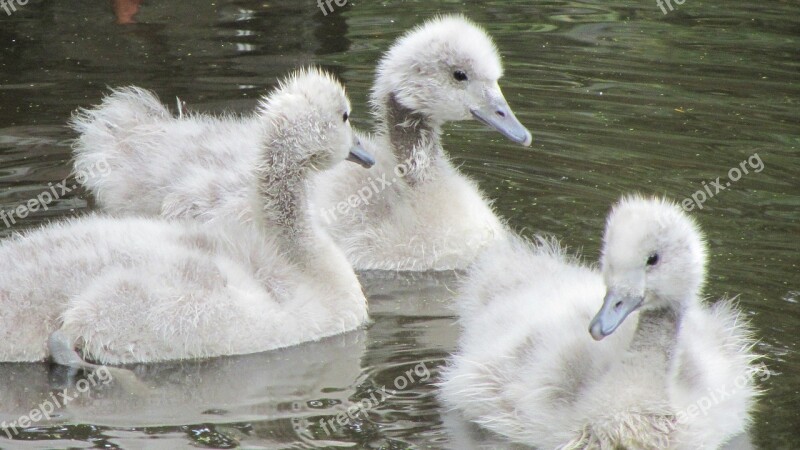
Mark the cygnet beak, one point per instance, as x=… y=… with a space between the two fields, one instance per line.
x=616 y=307
x=360 y=156
x=495 y=112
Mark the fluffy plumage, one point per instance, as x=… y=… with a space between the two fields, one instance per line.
x=146 y=289
x=528 y=369
x=413 y=211
x=137 y=159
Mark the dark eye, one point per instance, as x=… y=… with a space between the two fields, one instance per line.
x=652 y=260
x=345 y=117
x=460 y=75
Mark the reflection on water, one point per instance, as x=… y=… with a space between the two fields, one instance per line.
x=272 y=388
x=126 y=10
x=619 y=97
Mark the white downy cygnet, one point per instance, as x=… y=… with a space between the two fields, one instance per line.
x=413 y=211
x=527 y=368
x=125 y=290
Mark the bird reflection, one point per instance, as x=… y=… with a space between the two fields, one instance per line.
x=126 y=10
x=271 y=388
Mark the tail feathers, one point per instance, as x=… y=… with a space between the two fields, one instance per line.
x=103 y=129
x=104 y=132
x=121 y=110
x=507 y=265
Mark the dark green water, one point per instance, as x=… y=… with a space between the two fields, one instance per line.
x=619 y=96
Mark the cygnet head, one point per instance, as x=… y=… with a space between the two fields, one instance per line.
x=308 y=118
x=653 y=257
x=447 y=69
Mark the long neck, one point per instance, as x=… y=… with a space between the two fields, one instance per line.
x=655 y=339
x=638 y=384
x=284 y=190
x=415 y=139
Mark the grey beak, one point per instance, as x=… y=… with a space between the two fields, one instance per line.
x=497 y=114
x=360 y=156
x=616 y=307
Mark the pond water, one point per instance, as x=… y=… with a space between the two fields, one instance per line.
x=619 y=96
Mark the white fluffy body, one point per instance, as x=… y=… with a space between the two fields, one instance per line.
x=527 y=367
x=425 y=216
x=429 y=216
x=136 y=158
x=147 y=289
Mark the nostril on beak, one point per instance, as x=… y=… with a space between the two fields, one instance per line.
x=617 y=306
x=501 y=113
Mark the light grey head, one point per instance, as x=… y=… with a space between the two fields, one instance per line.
x=448 y=70
x=308 y=118
x=653 y=257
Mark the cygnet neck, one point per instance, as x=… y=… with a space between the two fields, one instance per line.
x=415 y=139
x=284 y=187
x=656 y=337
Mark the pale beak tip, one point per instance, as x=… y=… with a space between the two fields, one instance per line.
x=506 y=123
x=528 y=140
x=524 y=138
x=595 y=329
